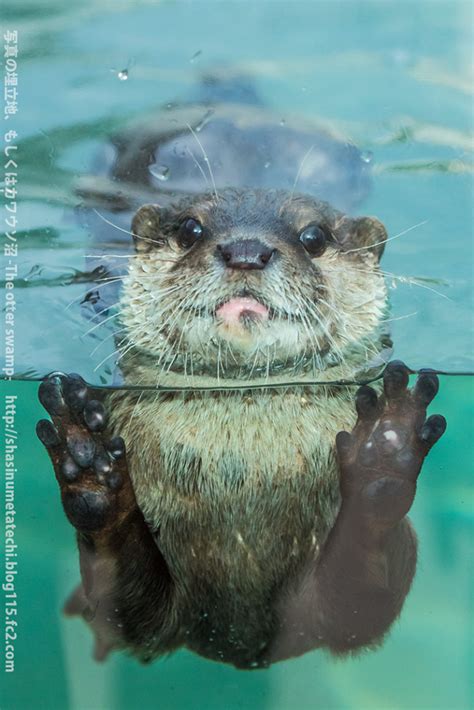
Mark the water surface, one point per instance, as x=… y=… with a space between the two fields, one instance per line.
x=393 y=77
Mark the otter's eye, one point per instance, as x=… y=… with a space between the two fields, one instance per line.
x=190 y=231
x=313 y=239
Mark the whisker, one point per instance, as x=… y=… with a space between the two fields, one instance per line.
x=116 y=226
x=101 y=283
x=206 y=160
x=198 y=164
x=106 y=308
x=413 y=282
x=390 y=239
x=305 y=157
x=98 y=325
x=104 y=340
x=408 y=315
x=111 y=256
x=137 y=403
x=127 y=231
x=105 y=359
x=410 y=280
x=110 y=279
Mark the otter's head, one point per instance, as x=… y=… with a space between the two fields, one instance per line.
x=252 y=282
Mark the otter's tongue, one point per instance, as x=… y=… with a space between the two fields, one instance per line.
x=233 y=310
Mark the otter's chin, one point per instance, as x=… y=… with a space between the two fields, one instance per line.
x=260 y=339
x=244 y=333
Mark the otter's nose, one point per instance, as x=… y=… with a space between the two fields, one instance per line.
x=245 y=254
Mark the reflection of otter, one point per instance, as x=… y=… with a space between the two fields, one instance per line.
x=257 y=546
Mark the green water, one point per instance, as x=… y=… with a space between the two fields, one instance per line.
x=394 y=76
x=424 y=663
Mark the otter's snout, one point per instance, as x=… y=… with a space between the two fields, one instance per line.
x=245 y=254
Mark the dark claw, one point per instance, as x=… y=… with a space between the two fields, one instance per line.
x=95 y=415
x=366 y=402
x=75 y=391
x=395 y=378
x=116 y=447
x=102 y=464
x=426 y=387
x=69 y=469
x=433 y=429
x=81 y=447
x=50 y=394
x=47 y=434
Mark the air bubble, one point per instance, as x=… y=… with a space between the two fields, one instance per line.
x=267 y=164
x=160 y=172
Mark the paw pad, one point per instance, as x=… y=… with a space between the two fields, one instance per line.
x=90 y=467
x=381 y=459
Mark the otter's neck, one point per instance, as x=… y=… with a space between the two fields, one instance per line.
x=141 y=369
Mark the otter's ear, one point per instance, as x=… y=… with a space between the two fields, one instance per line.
x=145 y=228
x=365 y=233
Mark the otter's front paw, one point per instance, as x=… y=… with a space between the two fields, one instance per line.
x=381 y=459
x=90 y=468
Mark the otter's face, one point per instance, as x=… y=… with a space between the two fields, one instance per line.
x=262 y=281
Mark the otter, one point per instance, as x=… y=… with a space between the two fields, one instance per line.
x=243 y=503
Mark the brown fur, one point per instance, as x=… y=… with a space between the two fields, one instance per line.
x=241 y=487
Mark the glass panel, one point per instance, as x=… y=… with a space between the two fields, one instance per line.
x=307 y=168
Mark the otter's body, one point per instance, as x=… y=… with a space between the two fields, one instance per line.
x=237 y=508
x=236 y=526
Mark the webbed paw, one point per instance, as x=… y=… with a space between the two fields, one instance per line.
x=381 y=459
x=90 y=466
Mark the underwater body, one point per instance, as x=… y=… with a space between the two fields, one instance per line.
x=440 y=512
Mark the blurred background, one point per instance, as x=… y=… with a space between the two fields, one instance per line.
x=396 y=79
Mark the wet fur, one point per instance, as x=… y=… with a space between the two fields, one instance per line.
x=327 y=307
x=241 y=488
x=240 y=537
